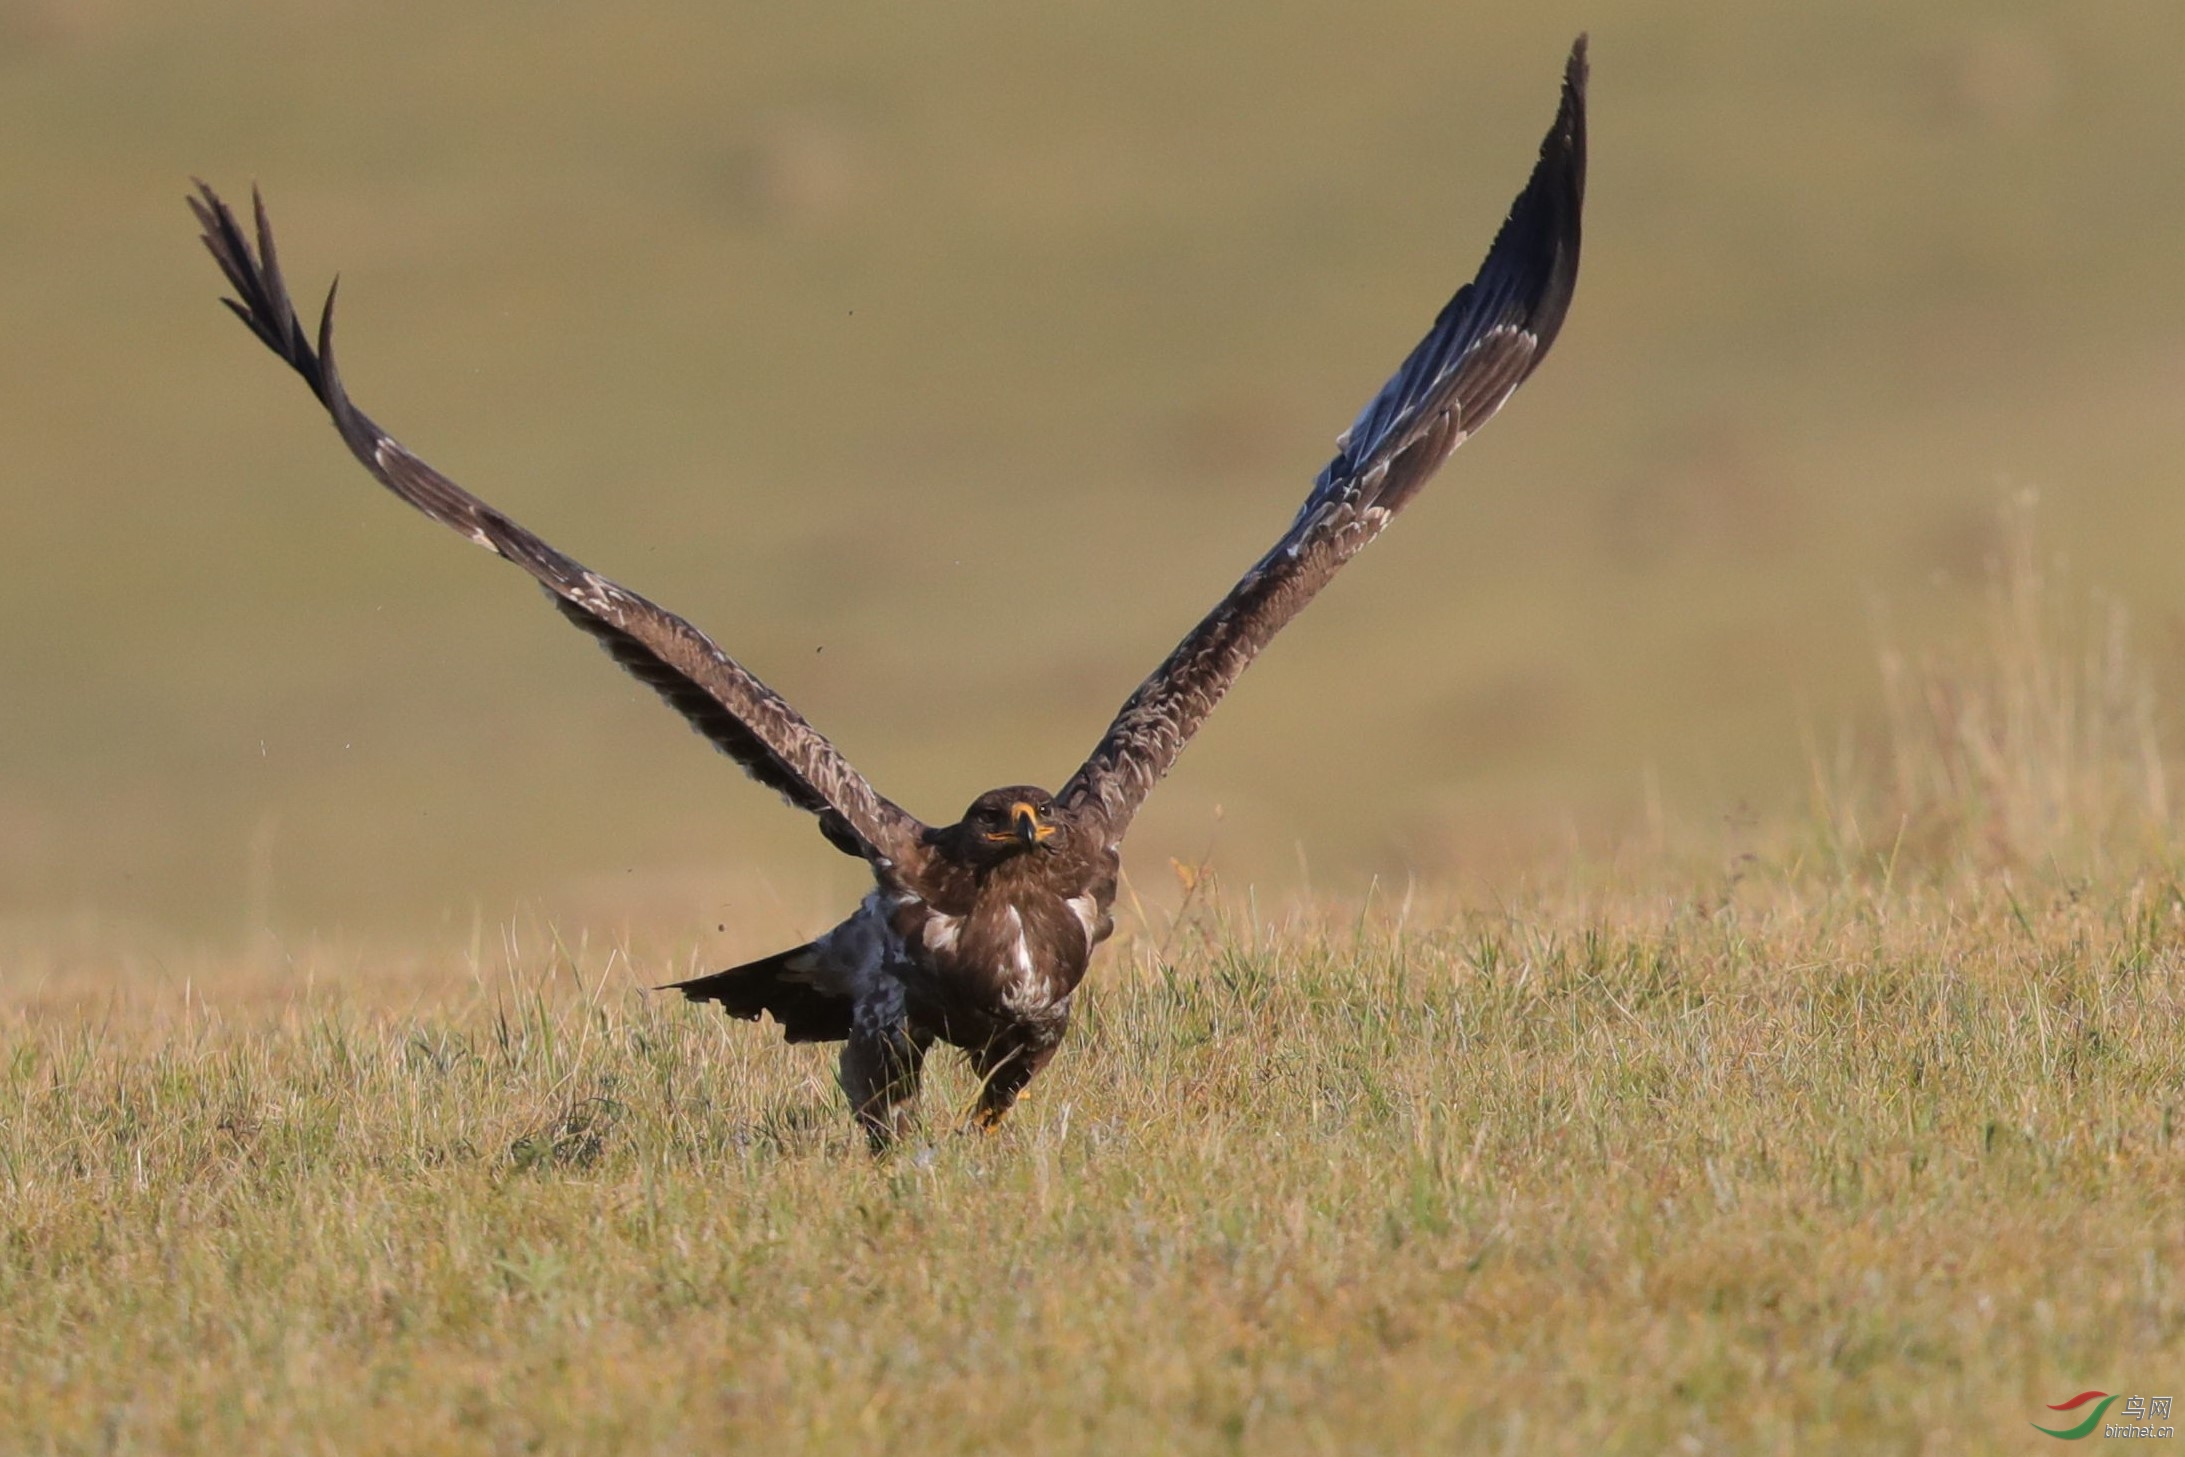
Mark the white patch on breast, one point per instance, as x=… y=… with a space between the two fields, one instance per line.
x=1087 y=911
x=941 y=931
x=1024 y=992
x=1020 y=954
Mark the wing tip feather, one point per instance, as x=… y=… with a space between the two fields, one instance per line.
x=263 y=302
x=1526 y=280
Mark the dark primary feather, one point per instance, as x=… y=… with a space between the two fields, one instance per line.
x=1526 y=280
x=721 y=699
x=1490 y=336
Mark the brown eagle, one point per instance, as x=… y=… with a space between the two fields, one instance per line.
x=977 y=933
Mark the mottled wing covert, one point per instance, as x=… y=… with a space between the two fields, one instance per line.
x=722 y=700
x=1491 y=335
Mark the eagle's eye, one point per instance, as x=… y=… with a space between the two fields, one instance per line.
x=1023 y=822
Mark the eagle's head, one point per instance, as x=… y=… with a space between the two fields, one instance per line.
x=1011 y=821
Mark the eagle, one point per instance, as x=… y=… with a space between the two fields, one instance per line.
x=978 y=933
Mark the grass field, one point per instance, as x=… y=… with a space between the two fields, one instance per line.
x=1854 y=1132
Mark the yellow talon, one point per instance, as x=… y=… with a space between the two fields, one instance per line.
x=988 y=1117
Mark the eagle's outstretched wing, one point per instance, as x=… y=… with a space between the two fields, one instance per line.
x=742 y=716
x=1483 y=345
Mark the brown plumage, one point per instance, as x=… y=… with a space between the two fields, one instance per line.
x=977 y=933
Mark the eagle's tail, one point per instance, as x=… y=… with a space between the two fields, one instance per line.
x=781 y=985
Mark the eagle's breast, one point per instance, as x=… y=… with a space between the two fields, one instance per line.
x=1003 y=945
x=1023 y=952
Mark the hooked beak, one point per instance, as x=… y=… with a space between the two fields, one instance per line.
x=1030 y=828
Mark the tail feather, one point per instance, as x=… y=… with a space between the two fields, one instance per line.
x=780 y=985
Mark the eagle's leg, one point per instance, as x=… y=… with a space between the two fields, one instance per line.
x=881 y=1067
x=1005 y=1066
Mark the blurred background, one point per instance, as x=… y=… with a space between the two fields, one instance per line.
x=946 y=361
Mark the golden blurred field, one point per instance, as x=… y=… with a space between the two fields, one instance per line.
x=1684 y=954
x=1855 y=1132
x=945 y=362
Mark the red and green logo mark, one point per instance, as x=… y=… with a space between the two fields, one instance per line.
x=2085 y=1428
